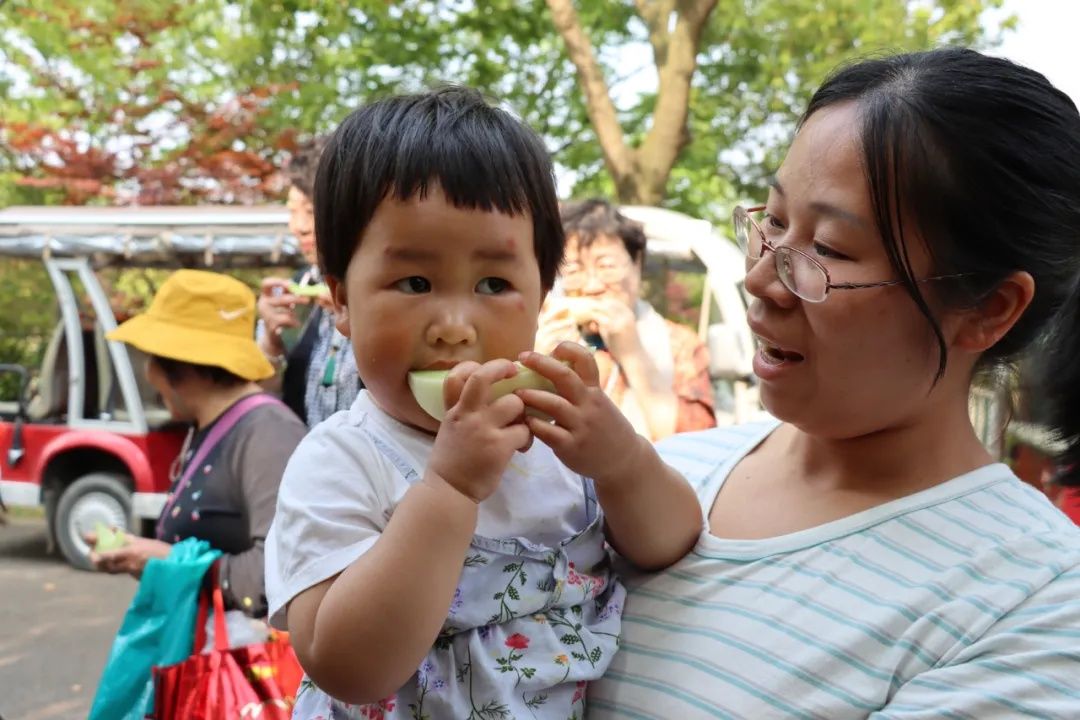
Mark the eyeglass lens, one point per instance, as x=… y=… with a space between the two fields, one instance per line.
x=798 y=273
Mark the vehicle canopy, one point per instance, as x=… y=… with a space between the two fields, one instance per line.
x=215 y=237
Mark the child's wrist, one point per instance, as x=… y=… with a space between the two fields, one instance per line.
x=632 y=463
x=450 y=499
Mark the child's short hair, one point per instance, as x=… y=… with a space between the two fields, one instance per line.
x=481 y=156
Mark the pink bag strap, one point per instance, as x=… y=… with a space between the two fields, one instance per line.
x=220 y=428
x=208 y=595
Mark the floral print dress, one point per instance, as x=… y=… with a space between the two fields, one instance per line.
x=529 y=626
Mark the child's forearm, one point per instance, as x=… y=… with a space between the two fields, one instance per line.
x=369 y=631
x=653 y=516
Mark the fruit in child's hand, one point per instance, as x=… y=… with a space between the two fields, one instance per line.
x=312 y=291
x=427 y=387
x=108 y=539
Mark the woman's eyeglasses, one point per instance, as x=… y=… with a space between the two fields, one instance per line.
x=576 y=277
x=800 y=273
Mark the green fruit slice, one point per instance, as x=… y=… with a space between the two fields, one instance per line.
x=108 y=539
x=427 y=387
x=317 y=290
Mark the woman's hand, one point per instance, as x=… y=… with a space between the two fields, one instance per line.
x=478 y=436
x=557 y=323
x=617 y=325
x=131 y=558
x=588 y=433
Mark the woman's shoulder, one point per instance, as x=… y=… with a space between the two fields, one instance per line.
x=278 y=415
x=697 y=454
x=269 y=424
x=1009 y=512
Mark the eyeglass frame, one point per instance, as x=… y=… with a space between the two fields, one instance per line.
x=777 y=250
x=593 y=272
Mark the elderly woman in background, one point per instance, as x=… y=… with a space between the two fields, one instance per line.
x=655 y=370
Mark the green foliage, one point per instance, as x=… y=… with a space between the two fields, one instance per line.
x=212 y=93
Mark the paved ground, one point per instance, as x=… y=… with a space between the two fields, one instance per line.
x=56 y=627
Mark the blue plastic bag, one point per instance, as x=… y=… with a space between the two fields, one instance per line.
x=158 y=629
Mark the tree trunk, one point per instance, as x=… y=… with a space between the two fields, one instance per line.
x=641 y=174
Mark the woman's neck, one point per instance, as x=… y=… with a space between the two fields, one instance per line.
x=900 y=460
x=209 y=401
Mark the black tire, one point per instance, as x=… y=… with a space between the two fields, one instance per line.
x=100 y=496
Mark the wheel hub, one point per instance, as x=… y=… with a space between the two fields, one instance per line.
x=90 y=509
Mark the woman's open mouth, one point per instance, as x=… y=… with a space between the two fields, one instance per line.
x=777 y=356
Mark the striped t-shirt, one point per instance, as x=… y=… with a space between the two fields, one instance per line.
x=961 y=601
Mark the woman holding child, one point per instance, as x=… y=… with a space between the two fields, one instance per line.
x=864 y=556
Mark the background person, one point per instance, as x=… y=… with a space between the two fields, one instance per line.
x=865 y=557
x=655 y=370
x=316 y=370
x=203 y=361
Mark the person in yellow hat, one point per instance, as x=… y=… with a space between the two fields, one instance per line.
x=203 y=361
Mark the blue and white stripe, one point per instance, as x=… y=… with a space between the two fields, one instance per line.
x=961 y=601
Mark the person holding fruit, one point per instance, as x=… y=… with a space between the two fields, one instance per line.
x=205 y=365
x=315 y=368
x=430 y=564
x=655 y=370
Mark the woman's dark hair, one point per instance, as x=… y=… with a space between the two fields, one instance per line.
x=982 y=156
x=177 y=370
x=590 y=219
x=482 y=158
x=303 y=165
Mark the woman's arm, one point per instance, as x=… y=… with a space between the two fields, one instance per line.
x=1026 y=665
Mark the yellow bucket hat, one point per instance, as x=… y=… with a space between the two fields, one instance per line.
x=200 y=317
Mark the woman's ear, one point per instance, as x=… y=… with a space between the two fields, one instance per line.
x=987 y=323
x=340 y=299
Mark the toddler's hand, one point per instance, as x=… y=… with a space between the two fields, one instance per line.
x=478 y=436
x=589 y=433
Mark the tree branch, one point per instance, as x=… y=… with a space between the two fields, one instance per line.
x=656 y=14
x=667 y=135
x=598 y=102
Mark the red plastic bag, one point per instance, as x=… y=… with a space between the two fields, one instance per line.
x=254 y=681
